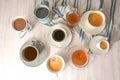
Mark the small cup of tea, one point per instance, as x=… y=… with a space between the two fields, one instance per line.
x=55 y=64
x=42 y=13
x=99 y=45
x=73 y=18
x=33 y=53
x=21 y=24
x=93 y=22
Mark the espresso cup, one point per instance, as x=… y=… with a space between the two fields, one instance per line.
x=55 y=64
x=99 y=45
x=42 y=13
x=22 y=25
x=33 y=53
x=59 y=36
x=93 y=22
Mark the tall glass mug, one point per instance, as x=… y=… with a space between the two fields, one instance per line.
x=21 y=25
x=73 y=18
x=42 y=12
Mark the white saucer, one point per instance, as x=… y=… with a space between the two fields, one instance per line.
x=42 y=54
x=67 y=39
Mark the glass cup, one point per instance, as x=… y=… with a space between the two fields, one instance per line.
x=72 y=18
x=42 y=12
x=78 y=57
x=22 y=25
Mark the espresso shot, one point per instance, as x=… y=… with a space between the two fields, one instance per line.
x=58 y=35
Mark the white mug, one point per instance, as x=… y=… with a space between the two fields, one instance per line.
x=23 y=31
x=54 y=57
x=39 y=50
x=89 y=28
x=95 y=46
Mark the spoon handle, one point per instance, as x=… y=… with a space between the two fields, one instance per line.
x=101 y=5
x=76 y=2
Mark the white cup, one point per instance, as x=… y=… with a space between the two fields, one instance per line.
x=89 y=28
x=47 y=18
x=39 y=48
x=95 y=47
x=54 y=57
x=23 y=31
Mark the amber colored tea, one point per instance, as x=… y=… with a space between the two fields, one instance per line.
x=55 y=64
x=30 y=53
x=103 y=45
x=19 y=24
x=79 y=57
x=95 y=19
x=72 y=18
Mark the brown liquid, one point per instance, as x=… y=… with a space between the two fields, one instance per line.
x=55 y=64
x=58 y=35
x=79 y=57
x=72 y=18
x=103 y=45
x=95 y=19
x=42 y=12
x=30 y=53
x=19 y=24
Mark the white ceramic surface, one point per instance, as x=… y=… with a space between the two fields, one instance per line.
x=87 y=27
x=94 y=45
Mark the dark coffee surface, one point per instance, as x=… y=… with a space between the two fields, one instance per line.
x=19 y=24
x=42 y=12
x=30 y=53
x=58 y=35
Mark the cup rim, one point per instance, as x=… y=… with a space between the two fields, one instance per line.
x=99 y=12
x=22 y=52
x=40 y=6
x=78 y=66
x=13 y=20
x=61 y=60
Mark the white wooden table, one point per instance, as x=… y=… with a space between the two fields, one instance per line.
x=105 y=67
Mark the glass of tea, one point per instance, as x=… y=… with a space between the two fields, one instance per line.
x=72 y=18
x=78 y=57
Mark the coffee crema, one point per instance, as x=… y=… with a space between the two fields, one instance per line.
x=103 y=45
x=95 y=19
x=55 y=64
x=19 y=24
x=79 y=57
x=58 y=35
x=42 y=12
x=29 y=53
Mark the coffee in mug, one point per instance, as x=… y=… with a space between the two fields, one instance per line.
x=55 y=63
x=58 y=35
x=95 y=19
x=29 y=53
x=33 y=53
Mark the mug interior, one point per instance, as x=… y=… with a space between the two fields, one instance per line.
x=41 y=11
x=19 y=23
x=29 y=53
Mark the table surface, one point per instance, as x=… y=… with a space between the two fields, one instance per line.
x=104 y=67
